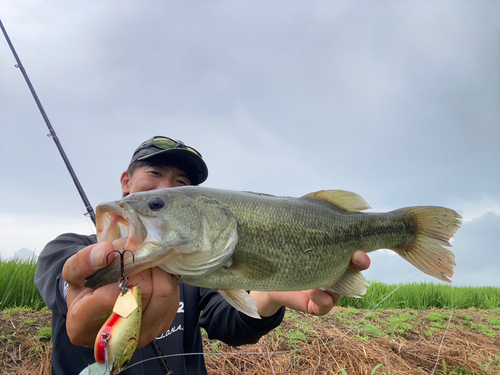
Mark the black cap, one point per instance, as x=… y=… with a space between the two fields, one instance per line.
x=174 y=153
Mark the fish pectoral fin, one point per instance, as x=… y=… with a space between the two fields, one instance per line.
x=241 y=301
x=347 y=200
x=351 y=284
x=251 y=266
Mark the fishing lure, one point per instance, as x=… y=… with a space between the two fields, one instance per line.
x=90 y=211
x=117 y=339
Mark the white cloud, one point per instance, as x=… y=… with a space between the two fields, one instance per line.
x=472 y=209
x=476 y=252
x=397 y=102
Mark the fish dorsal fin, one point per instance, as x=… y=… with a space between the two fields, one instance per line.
x=347 y=200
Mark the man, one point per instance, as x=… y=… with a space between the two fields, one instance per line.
x=172 y=312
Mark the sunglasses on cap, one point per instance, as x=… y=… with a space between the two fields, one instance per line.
x=165 y=143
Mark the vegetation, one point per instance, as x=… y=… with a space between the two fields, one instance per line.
x=17 y=288
x=394 y=329
x=350 y=341
x=346 y=341
x=424 y=296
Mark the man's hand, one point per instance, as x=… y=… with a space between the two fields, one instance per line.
x=314 y=301
x=88 y=309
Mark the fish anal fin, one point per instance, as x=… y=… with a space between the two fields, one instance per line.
x=251 y=266
x=241 y=301
x=347 y=200
x=351 y=284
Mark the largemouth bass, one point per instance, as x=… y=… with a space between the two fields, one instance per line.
x=235 y=241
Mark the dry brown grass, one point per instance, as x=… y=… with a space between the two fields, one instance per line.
x=22 y=352
x=308 y=345
x=333 y=344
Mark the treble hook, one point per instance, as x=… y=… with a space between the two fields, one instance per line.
x=105 y=337
x=123 y=280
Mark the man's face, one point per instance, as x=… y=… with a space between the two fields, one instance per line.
x=152 y=178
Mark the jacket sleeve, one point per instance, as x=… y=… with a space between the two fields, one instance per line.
x=223 y=322
x=48 y=275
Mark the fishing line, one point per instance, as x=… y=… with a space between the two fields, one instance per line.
x=363 y=319
x=92 y=227
x=52 y=134
x=445 y=332
x=321 y=342
x=283 y=351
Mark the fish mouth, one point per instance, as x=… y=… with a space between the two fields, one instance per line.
x=119 y=224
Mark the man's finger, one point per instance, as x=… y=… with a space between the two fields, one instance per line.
x=160 y=310
x=360 y=260
x=321 y=302
x=87 y=262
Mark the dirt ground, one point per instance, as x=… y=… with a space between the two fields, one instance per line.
x=394 y=342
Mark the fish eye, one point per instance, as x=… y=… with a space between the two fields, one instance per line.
x=156 y=203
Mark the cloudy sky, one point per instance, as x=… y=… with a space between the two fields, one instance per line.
x=398 y=102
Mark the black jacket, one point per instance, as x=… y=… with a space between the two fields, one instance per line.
x=218 y=318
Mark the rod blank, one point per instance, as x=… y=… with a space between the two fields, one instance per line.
x=52 y=134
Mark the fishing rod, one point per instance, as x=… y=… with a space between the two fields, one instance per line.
x=52 y=134
x=90 y=210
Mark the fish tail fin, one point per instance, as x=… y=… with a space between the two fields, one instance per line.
x=434 y=228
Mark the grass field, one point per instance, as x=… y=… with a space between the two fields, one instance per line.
x=17 y=289
x=345 y=341
x=417 y=328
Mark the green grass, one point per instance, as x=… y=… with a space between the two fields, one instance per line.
x=425 y=296
x=17 y=287
x=344 y=372
x=401 y=323
x=44 y=333
x=438 y=320
x=494 y=321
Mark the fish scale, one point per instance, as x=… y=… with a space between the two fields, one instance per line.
x=235 y=241
x=288 y=232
